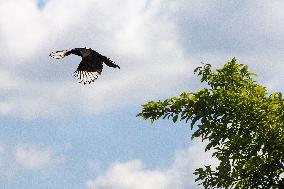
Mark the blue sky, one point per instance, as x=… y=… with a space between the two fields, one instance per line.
x=56 y=133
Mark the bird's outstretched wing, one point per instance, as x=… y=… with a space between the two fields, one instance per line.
x=88 y=71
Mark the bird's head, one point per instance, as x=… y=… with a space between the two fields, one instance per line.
x=58 y=54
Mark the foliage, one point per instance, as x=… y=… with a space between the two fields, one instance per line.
x=242 y=122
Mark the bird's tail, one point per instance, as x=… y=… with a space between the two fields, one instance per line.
x=59 y=54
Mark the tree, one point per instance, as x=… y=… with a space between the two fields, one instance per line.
x=241 y=122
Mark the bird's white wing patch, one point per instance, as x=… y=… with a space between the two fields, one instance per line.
x=86 y=77
x=58 y=54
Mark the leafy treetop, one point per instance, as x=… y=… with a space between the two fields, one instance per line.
x=241 y=121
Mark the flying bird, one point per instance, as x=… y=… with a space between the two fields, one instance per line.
x=91 y=65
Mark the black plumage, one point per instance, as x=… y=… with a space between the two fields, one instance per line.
x=91 y=65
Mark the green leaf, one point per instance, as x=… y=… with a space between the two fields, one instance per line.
x=175 y=118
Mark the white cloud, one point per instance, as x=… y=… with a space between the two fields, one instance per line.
x=132 y=174
x=30 y=157
x=157 y=44
x=132 y=33
x=27 y=157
